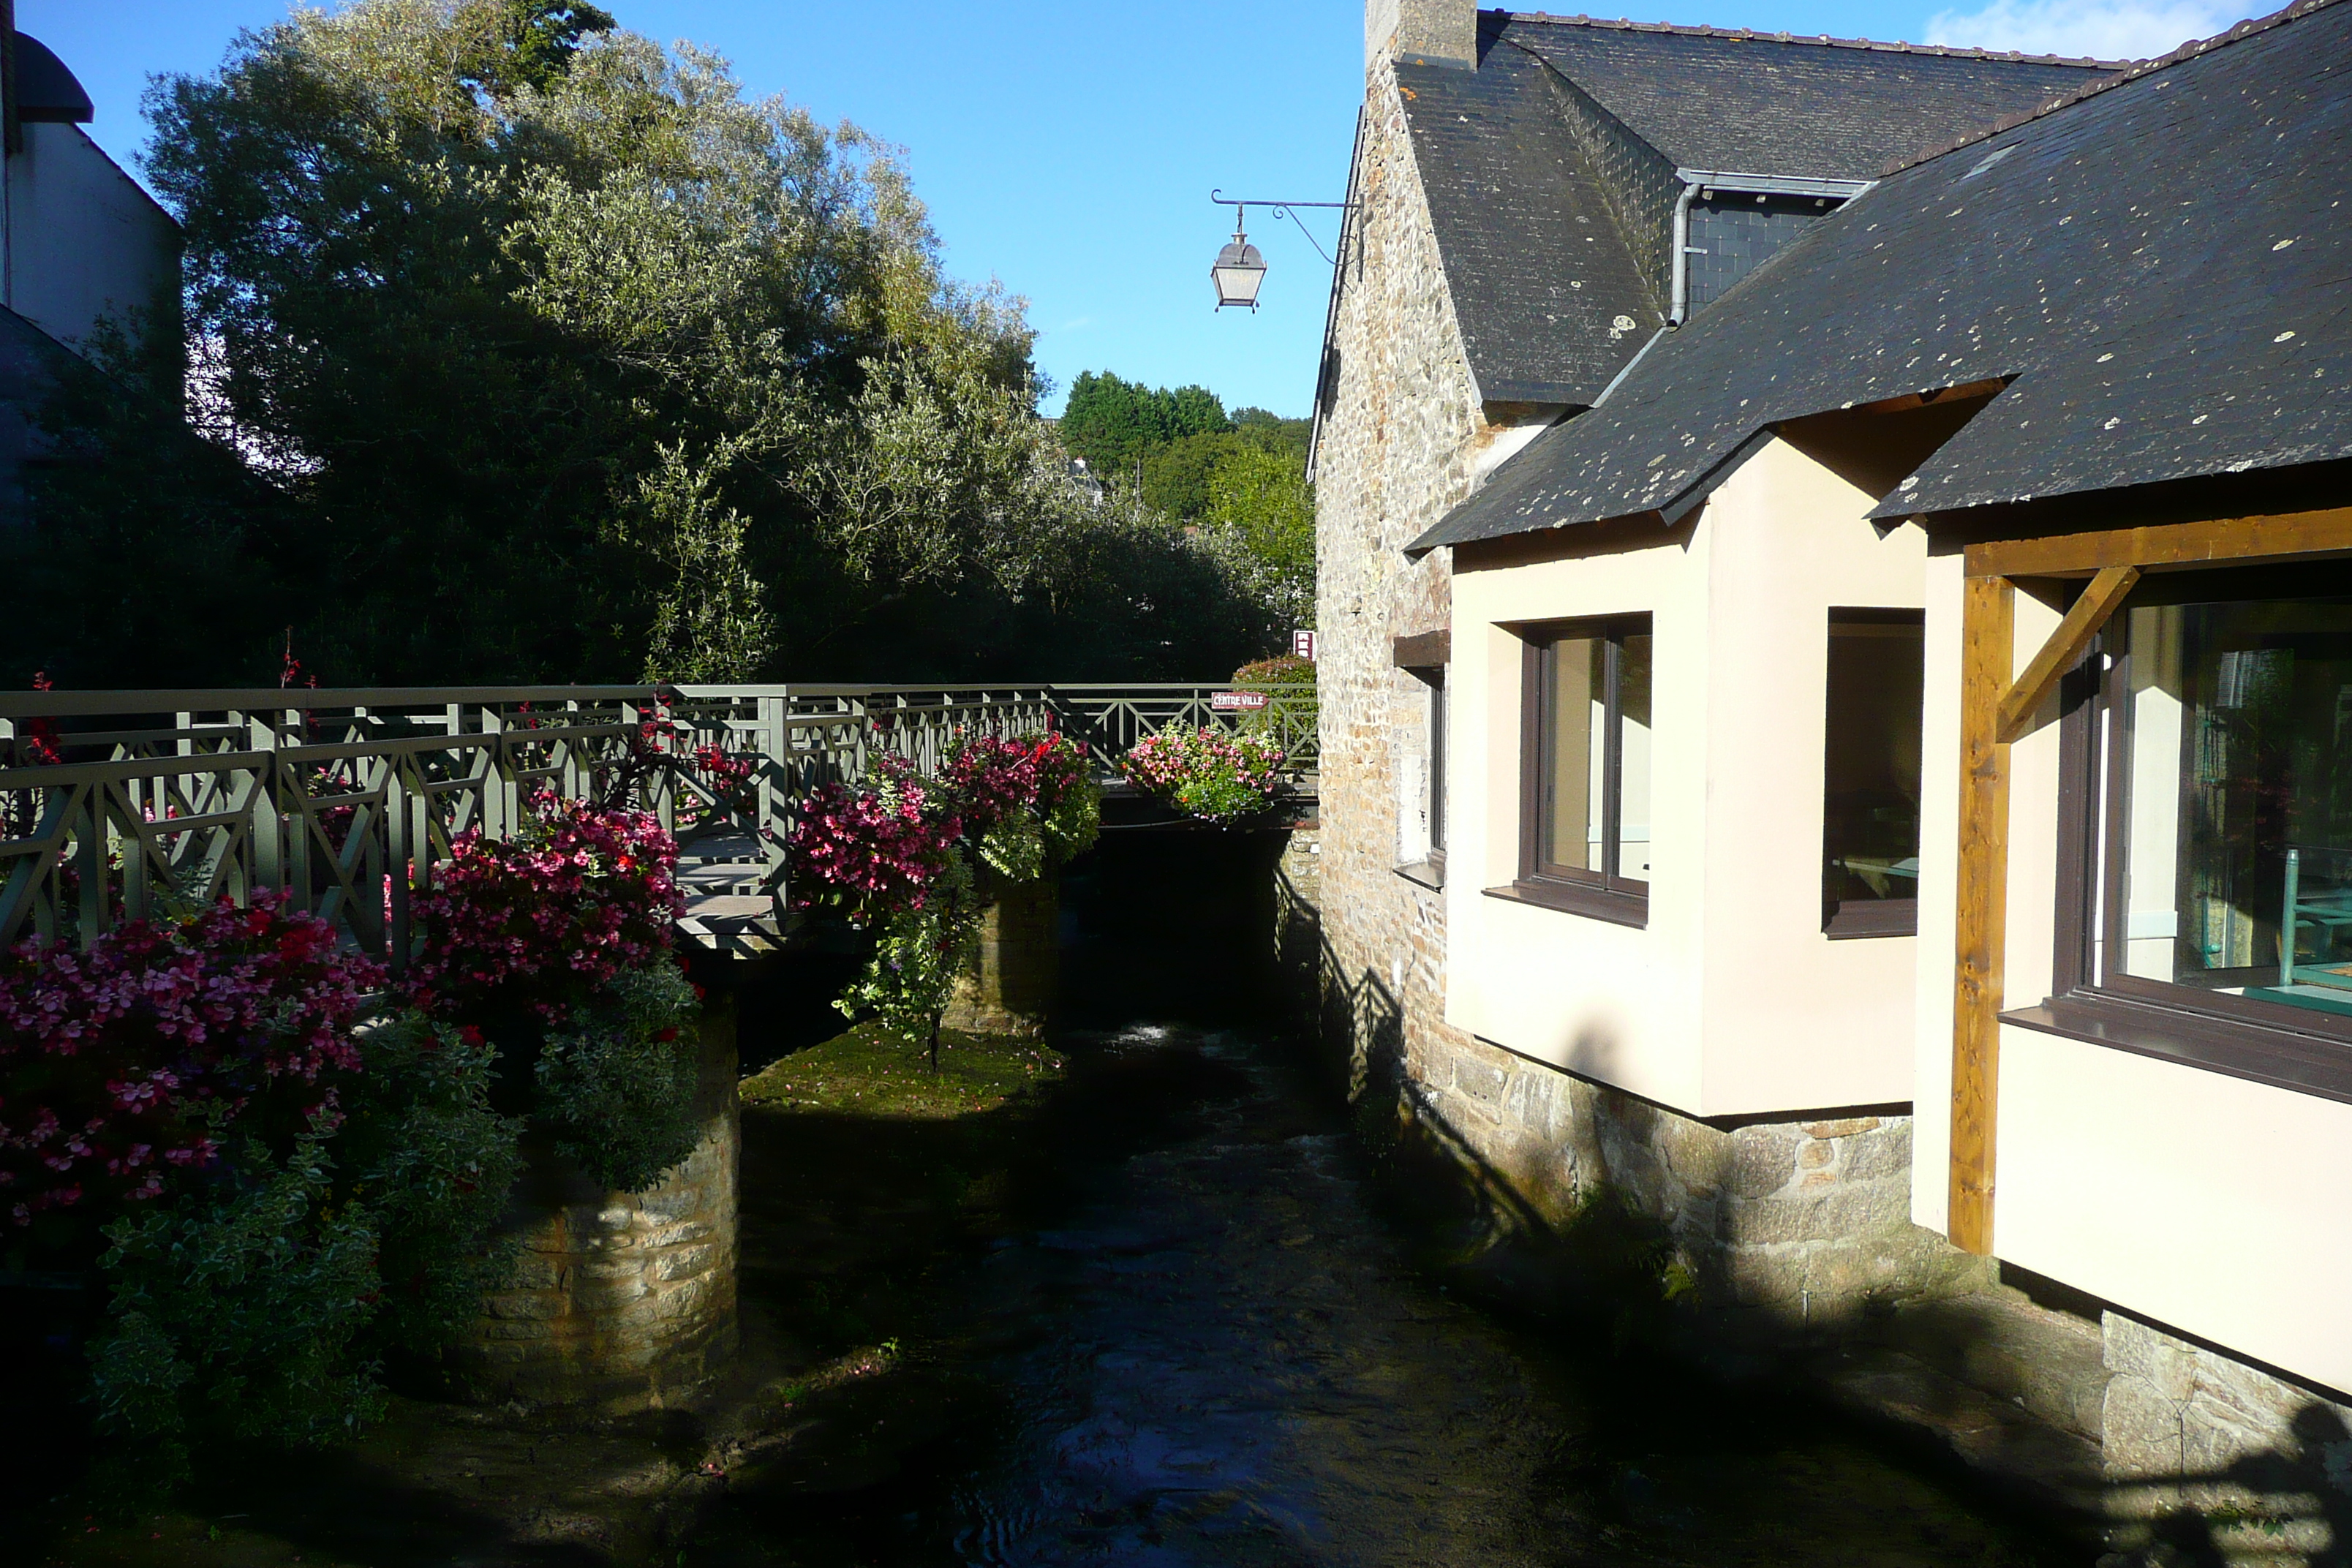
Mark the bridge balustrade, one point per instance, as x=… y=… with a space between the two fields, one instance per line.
x=127 y=806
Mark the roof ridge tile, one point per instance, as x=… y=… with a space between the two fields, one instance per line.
x=1823 y=40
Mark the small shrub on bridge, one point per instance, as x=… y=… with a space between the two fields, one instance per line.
x=556 y=942
x=873 y=850
x=1218 y=775
x=1026 y=805
x=546 y=918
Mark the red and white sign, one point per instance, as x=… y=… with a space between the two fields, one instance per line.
x=1231 y=702
x=1302 y=646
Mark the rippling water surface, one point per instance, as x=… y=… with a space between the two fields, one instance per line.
x=1211 y=1349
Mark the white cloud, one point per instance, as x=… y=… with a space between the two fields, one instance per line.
x=2103 y=29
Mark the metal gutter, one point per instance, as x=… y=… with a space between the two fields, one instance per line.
x=1705 y=182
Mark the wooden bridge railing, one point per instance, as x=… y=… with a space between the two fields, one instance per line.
x=118 y=806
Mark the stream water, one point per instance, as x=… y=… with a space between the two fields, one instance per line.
x=1205 y=1342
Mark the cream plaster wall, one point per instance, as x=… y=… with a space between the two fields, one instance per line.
x=2202 y=1201
x=1609 y=1001
x=1792 y=1019
x=1731 y=1001
x=2205 y=1201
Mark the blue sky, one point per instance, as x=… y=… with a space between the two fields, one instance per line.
x=1069 y=149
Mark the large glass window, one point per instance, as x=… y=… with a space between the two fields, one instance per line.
x=2229 y=860
x=1870 y=803
x=1586 y=824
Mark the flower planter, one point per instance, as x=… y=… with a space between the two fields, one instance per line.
x=618 y=1301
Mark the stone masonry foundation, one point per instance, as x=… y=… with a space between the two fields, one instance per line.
x=620 y=1302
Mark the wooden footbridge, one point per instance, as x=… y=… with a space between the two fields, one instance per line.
x=118 y=806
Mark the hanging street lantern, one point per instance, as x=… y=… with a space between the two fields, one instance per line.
x=1238 y=269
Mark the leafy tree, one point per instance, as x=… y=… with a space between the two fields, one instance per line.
x=1271 y=433
x=542 y=353
x=1112 y=423
x=1176 y=476
x=1261 y=506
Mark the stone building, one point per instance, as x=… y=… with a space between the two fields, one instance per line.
x=1676 y=383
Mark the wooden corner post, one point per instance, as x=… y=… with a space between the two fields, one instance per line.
x=1988 y=654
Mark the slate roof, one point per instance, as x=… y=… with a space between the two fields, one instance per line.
x=1546 y=294
x=1549 y=293
x=2162 y=316
x=1766 y=103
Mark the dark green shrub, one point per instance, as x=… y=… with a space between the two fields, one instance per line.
x=433 y=1163
x=236 y=1313
x=261 y=1303
x=617 y=1089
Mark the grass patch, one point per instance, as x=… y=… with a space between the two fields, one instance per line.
x=868 y=1071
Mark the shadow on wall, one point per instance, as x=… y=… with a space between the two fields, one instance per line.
x=2288 y=1502
x=2164 y=1455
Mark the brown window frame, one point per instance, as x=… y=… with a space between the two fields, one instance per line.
x=1599 y=895
x=1857 y=919
x=2263 y=1042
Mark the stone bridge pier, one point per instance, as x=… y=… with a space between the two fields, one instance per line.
x=619 y=1301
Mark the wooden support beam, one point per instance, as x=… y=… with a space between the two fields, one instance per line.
x=1988 y=654
x=2063 y=649
x=2166 y=544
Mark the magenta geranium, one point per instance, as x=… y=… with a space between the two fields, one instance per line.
x=546 y=918
x=127 y=1062
x=1221 y=775
x=872 y=849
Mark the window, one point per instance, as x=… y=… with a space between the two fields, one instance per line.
x=1436 y=681
x=1421 y=830
x=1585 y=760
x=2208 y=912
x=1870 y=771
x=1421 y=778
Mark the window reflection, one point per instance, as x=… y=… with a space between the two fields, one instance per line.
x=1870 y=807
x=1593 y=814
x=2238 y=854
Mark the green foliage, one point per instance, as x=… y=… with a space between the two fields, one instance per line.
x=260 y=1304
x=1260 y=503
x=907 y=983
x=236 y=1313
x=618 y=1090
x=1283 y=671
x=432 y=1164
x=1111 y=423
x=527 y=349
x=529 y=43
x=1270 y=432
x=1075 y=821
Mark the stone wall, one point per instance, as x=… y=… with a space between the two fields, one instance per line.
x=1398 y=447
x=1012 y=992
x=620 y=1302
x=2212 y=1460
